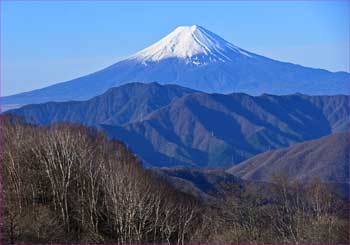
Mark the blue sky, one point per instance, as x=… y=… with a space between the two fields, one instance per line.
x=43 y=43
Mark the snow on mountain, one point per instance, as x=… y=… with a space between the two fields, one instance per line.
x=194 y=44
x=194 y=57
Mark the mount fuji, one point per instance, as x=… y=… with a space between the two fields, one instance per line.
x=194 y=57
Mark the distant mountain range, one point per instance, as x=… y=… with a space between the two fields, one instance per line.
x=327 y=158
x=194 y=57
x=169 y=125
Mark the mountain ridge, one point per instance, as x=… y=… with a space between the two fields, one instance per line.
x=194 y=134
x=192 y=128
x=117 y=105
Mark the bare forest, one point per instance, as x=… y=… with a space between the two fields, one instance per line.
x=71 y=184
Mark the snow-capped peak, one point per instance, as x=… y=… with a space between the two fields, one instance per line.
x=194 y=44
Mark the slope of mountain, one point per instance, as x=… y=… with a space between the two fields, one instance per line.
x=220 y=130
x=168 y=125
x=209 y=185
x=326 y=158
x=194 y=57
x=204 y=184
x=127 y=103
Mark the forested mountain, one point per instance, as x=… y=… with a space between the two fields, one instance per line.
x=326 y=158
x=167 y=125
x=124 y=104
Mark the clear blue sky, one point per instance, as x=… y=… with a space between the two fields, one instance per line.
x=43 y=43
